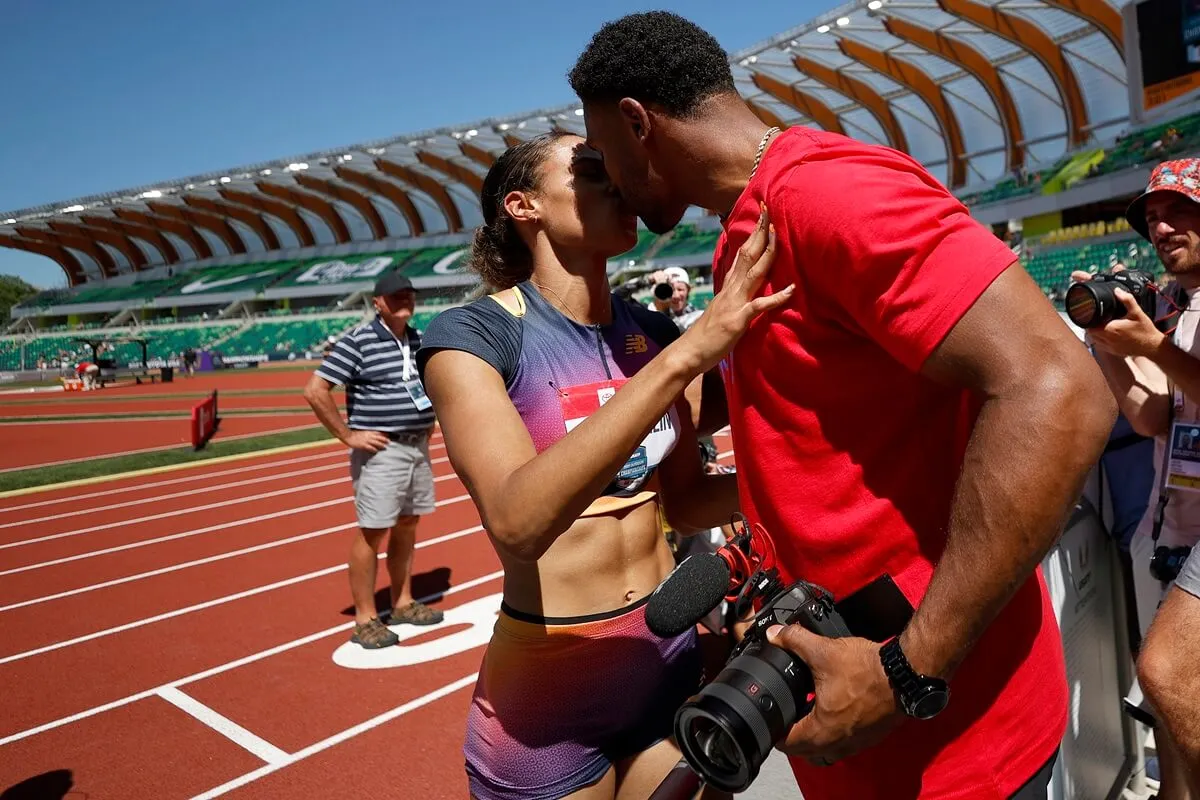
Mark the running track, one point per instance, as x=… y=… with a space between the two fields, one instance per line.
x=174 y=635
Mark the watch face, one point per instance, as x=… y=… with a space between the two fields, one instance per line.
x=930 y=704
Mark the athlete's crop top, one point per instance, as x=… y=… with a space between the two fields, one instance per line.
x=557 y=371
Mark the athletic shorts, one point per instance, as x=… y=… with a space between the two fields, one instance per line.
x=560 y=700
x=395 y=482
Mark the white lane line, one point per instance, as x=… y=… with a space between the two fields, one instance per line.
x=187 y=564
x=223 y=725
x=229 y=598
x=726 y=454
x=144 y=449
x=241 y=662
x=172 y=537
x=176 y=567
x=175 y=495
x=338 y=738
x=197 y=532
x=191 y=478
x=178 y=512
x=158 y=498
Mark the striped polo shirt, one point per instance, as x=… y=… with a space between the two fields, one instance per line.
x=369 y=362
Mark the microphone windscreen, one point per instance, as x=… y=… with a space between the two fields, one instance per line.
x=692 y=589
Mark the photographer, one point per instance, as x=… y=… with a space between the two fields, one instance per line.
x=1154 y=373
x=672 y=287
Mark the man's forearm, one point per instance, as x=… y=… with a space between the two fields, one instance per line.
x=1024 y=469
x=1140 y=390
x=327 y=413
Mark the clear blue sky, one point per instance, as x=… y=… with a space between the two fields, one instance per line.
x=103 y=96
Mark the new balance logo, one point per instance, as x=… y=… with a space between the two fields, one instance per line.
x=635 y=343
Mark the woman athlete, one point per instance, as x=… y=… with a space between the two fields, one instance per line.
x=562 y=411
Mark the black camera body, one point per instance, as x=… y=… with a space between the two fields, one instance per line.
x=729 y=727
x=664 y=291
x=1167 y=562
x=1091 y=304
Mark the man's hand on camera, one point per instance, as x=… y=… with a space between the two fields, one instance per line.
x=1131 y=335
x=854 y=707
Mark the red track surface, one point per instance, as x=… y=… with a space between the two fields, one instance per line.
x=38 y=443
x=154 y=405
x=172 y=636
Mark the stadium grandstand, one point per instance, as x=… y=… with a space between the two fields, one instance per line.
x=1031 y=111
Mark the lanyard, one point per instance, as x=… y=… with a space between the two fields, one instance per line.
x=1174 y=407
x=406 y=351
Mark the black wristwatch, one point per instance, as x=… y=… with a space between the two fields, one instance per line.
x=920 y=696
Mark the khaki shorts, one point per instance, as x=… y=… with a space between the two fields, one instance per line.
x=395 y=482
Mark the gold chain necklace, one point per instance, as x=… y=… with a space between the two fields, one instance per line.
x=563 y=303
x=762 y=146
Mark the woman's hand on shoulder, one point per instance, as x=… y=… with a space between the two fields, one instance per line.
x=737 y=305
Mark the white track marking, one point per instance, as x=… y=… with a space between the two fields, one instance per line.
x=223 y=725
x=196 y=563
x=229 y=598
x=158 y=498
x=138 y=487
x=178 y=512
x=144 y=449
x=176 y=567
x=338 y=738
x=172 y=537
x=198 y=531
x=241 y=662
x=188 y=493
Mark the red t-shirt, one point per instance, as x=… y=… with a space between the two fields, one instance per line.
x=849 y=457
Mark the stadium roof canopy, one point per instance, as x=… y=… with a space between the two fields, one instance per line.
x=971 y=88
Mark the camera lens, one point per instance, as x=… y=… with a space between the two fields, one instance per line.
x=727 y=730
x=663 y=291
x=1091 y=304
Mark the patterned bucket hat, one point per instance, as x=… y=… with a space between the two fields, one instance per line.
x=1181 y=176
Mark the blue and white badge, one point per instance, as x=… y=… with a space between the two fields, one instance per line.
x=417 y=392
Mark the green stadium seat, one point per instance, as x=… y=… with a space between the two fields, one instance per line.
x=267 y=336
x=687 y=240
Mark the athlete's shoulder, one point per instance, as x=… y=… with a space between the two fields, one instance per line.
x=483 y=328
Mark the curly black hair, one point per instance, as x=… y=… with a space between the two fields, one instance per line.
x=654 y=57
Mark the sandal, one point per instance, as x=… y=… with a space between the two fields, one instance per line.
x=415 y=614
x=373 y=635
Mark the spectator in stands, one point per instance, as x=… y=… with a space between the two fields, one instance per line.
x=562 y=414
x=1155 y=377
x=913 y=411
x=390 y=419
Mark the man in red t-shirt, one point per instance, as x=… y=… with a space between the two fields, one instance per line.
x=917 y=409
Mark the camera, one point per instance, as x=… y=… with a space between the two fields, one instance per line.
x=1093 y=303
x=1167 y=562
x=663 y=291
x=729 y=727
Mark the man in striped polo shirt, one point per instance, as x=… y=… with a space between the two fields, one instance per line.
x=390 y=419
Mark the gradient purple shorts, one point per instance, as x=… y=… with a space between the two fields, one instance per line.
x=559 y=701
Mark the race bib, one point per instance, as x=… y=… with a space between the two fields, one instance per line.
x=580 y=402
x=417 y=392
